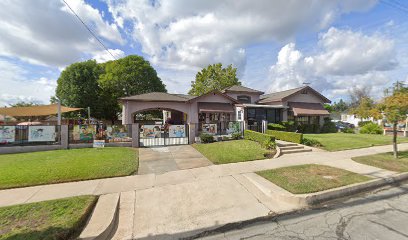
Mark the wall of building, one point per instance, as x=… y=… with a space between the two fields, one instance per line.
x=216 y=98
x=254 y=96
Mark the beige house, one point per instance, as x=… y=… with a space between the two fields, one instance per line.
x=237 y=103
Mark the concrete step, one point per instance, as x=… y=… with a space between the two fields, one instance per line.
x=292 y=147
x=126 y=216
x=296 y=151
x=103 y=219
x=286 y=144
x=270 y=195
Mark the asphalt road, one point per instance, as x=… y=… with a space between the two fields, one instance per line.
x=378 y=215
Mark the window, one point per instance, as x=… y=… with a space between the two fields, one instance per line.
x=244 y=99
x=303 y=92
x=302 y=120
x=239 y=117
x=314 y=119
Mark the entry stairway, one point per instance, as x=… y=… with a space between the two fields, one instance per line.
x=288 y=148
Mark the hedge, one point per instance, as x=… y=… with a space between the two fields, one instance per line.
x=276 y=126
x=286 y=136
x=265 y=140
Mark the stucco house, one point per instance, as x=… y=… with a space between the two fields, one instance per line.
x=237 y=103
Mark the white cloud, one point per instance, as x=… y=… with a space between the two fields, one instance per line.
x=21 y=88
x=345 y=60
x=184 y=34
x=46 y=33
x=104 y=56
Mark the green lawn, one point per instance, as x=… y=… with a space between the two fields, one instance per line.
x=386 y=161
x=232 y=151
x=343 y=141
x=28 y=169
x=49 y=220
x=311 y=178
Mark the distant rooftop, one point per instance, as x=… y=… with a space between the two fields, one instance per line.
x=279 y=96
x=159 y=97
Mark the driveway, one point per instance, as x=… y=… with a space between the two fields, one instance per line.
x=159 y=160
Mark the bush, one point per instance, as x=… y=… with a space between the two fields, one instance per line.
x=206 y=138
x=236 y=136
x=371 y=128
x=265 y=140
x=286 y=136
x=309 y=128
x=276 y=126
x=363 y=123
x=328 y=126
x=225 y=138
x=289 y=126
x=347 y=130
x=311 y=142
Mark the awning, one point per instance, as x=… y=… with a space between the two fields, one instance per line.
x=263 y=106
x=308 y=109
x=215 y=107
x=42 y=110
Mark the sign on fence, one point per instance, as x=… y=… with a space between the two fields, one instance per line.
x=99 y=143
x=41 y=133
x=177 y=131
x=7 y=134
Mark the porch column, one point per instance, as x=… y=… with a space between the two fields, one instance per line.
x=135 y=135
x=64 y=136
x=192 y=127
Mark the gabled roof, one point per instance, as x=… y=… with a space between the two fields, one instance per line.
x=281 y=96
x=238 y=88
x=158 y=97
x=215 y=92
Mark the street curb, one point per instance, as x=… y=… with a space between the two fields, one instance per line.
x=317 y=198
x=278 y=152
x=308 y=201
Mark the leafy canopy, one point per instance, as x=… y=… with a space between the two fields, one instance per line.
x=214 y=77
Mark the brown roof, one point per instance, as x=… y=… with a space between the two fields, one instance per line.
x=281 y=96
x=215 y=107
x=307 y=109
x=158 y=97
x=41 y=110
x=238 y=88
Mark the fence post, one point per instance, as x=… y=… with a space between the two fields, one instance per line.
x=191 y=133
x=264 y=126
x=135 y=135
x=64 y=136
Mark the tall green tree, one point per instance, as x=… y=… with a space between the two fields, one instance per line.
x=127 y=76
x=214 y=77
x=394 y=107
x=78 y=86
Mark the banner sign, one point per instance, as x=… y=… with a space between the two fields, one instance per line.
x=117 y=133
x=84 y=132
x=234 y=127
x=209 y=128
x=99 y=143
x=177 y=131
x=151 y=131
x=7 y=134
x=41 y=133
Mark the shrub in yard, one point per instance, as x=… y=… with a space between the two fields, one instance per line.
x=347 y=130
x=362 y=123
x=289 y=126
x=371 y=128
x=268 y=144
x=328 y=126
x=309 y=128
x=276 y=126
x=225 y=138
x=206 y=138
x=311 y=142
x=236 y=136
x=263 y=139
x=286 y=136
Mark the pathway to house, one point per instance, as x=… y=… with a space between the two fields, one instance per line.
x=184 y=202
x=159 y=160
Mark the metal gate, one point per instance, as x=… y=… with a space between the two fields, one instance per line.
x=163 y=135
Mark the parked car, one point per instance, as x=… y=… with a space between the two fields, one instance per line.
x=342 y=125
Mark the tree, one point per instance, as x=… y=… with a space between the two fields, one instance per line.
x=366 y=108
x=127 y=76
x=341 y=106
x=357 y=94
x=395 y=108
x=214 y=77
x=329 y=107
x=78 y=87
x=24 y=104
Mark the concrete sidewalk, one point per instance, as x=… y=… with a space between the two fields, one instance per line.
x=139 y=182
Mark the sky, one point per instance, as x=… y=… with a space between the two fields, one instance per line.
x=335 y=45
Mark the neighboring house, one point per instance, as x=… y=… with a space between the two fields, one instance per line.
x=353 y=119
x=237 y=103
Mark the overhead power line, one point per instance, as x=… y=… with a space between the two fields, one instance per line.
x=89 y=30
